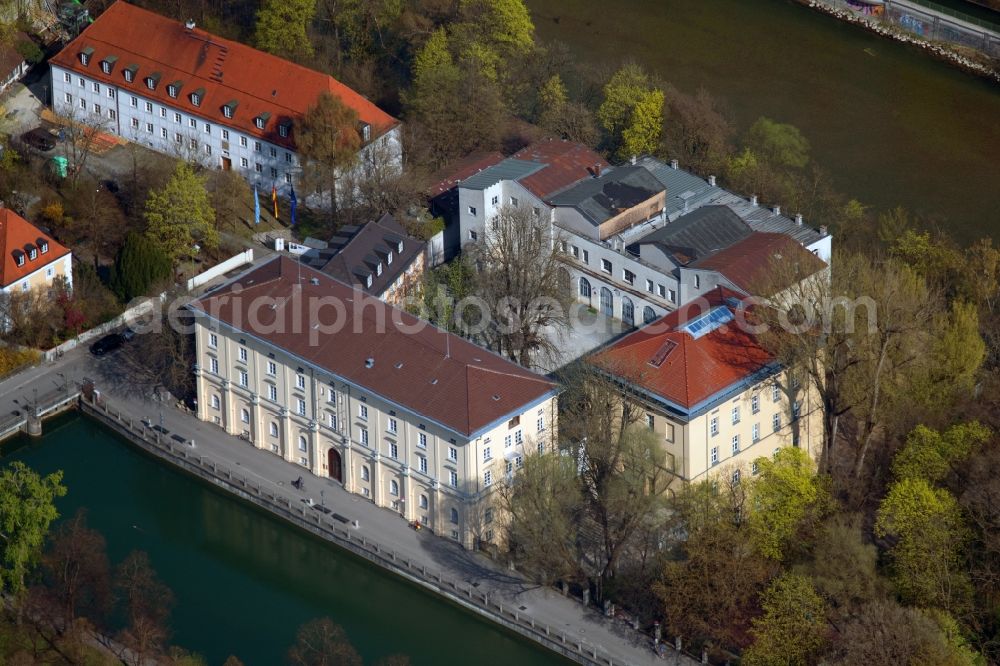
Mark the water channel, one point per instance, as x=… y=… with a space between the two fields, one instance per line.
x=244 y=581
x=890 y=123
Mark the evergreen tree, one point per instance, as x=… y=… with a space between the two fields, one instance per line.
x=140 y=263
x=282 y=27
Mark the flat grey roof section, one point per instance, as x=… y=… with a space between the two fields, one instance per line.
x=762 y=218
x=509 y=169
x=600 y=199
x=698 y=234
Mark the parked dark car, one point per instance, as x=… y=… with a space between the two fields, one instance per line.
x=40 y=139
x=108 y=343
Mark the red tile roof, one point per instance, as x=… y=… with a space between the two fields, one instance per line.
x=748 y=261
x=17 y=237
x=566 y=163
x=690 y=370
x=453 y=174
x=226 y=70
x=10 y=58
x=435 y=374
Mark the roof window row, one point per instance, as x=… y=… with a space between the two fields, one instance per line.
x=196 y=96
x=30 y=251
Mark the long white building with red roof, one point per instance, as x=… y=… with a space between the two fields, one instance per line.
x=183 y=91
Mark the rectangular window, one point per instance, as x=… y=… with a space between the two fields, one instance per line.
x=453 y=478
x=364 y=436
x=288 y=158
x=715 y=455
x=111 y=93
x=288 y=178
x=272 y=392
x=735 y=415
x=193 y=122
x=754 y=403
x=213 y=366
x=473 y=235
x=755 y=433
x=422 y=466
x=135 y=123
x=392 y=425
x=650 y=421
x=177 y=117
x=225 y=135
x=244 y=378
x=488 y=478
x=83 y=103
x=736 y=444
x=585 y=257
x=163 y=112
x=149 y=128
x=736 y=476
x=134 y=102
x=753 y=467
x=713 y=426
x=672 y=296
x=452 y=453
x=256 y=146
x=670 y=432
x=178 y=138
x=628 y=276
x=487 y=455
x=244 y=163
x=540 y=423
x=243 y=141
x=97 y=109
x=300 y=406
x=649 y=286
x=606 y=266
x=514 y=202
x=69 y=98
x=111 y=114
x=393 y=450
x=213 y=340
x=300 y=381
x=97 y=87
x=363 y=412
x=194 y=143
x=67 y=78
x=331 y=420
x=775 y=393
x=518 y=437
x=697 y=282
x=776 y=422
x=421 y=440
x=216 y=403
x=149 y=107
x=258 y=167
x=274 y=151
x=163 y=132
x=208 y=128
x=272 y=368
x=274 y=172
x=243 y=354
x=472 y=210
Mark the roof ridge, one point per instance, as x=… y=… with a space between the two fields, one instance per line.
x=540 y=379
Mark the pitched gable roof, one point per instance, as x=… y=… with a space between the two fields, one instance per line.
x=684 y=368
x=565 y=164
x=434 y=374
x=453 y=175
x=699 y=234
x=620 y=188
x=746 y=262
x=220 y=69
x=17 y=237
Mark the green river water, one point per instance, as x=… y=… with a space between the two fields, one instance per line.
x=890 y=123
x=245 y=581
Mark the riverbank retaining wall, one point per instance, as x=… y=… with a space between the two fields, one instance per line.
x=924 y=25
x=186 y=458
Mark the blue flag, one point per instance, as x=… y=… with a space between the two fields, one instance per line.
x=256 y=206
x=293 y=202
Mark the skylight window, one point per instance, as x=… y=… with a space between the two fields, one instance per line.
x=708 y=322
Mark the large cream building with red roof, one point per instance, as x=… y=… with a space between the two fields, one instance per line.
x=186 y=92
x=414 y=419
x=716 y=399
x=31 y=258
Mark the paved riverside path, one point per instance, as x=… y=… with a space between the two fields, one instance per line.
x=387 y=528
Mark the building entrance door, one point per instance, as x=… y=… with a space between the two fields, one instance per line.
x=335 y=466
x=227 y=164
x=607 y=302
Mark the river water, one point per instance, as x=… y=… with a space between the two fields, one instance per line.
x=891 y=124
x=244 y=581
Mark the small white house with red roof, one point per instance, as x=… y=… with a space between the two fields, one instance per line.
x=31 y=258
x=186 y=92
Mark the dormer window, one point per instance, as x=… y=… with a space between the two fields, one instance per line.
x=378 y=268
x=32 y=254
x=108 y=64
x=368 y=280
x=86 y=55
x=174 y=89
x=153 y=80
x=283 y=129
x=197 y=95
x=388 y=258
x=229 y=108
x=399 y=247
x=43 y=245
x=365 y=130
x=19 y=258
x=130 y=73
x=261 y=120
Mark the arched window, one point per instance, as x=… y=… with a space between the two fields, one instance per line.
x=628 y=311
x=584 y=287
x=454 y=516
x=364 y=473
x=245 y=415
x=303 y=444
x=423 y=501
x=648 y=314
x=274 y=429
x=394 y=488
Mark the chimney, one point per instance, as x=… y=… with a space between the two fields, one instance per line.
x=798 y=219
x=190 y=24
x=711 y=181
x=596 y=170
x=753 y=199
x=777 y=210
x=633 y=160
x=369 y=362
x=674 y=164
x=822 y=230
